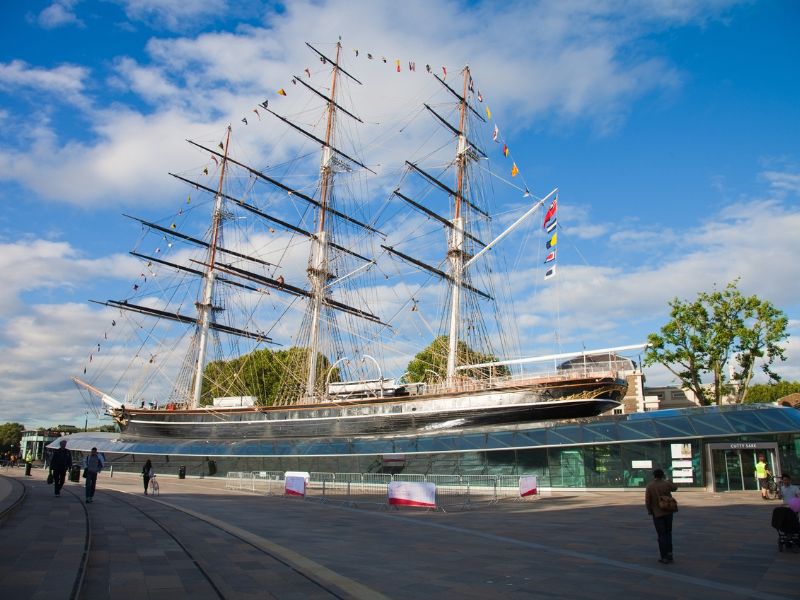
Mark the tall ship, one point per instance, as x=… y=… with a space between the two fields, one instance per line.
x=280 y=314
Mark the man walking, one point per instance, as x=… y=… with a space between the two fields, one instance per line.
x=662 y=517
x=59 y=464
x=28 y=463
x=92 y=465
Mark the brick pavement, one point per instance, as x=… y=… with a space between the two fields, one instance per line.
x=569 y=545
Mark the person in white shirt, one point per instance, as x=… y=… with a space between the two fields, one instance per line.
x=787 y=490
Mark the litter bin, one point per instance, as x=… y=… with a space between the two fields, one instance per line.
x=182 y=472
x=75 y=473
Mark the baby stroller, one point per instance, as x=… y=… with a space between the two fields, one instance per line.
x=785 y=520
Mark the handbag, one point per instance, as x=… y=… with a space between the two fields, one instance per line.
x=85 y=471
x=668 y=504
x=50 y=478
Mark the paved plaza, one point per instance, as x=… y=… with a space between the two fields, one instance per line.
x=564 y=545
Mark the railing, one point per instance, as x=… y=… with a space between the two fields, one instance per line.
x=371 y=489
x=575 y=371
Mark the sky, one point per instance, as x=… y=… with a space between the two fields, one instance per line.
x=670 y=128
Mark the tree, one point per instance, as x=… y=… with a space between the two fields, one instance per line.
x=10 y=435
x=718 y=330
x=763 y=392
x=430 y=365
x=272 y=377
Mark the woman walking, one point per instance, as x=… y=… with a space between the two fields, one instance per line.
x=147 y=474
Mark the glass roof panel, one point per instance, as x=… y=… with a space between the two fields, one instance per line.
x=605 y=431
x=565 y=435
x=674 y=427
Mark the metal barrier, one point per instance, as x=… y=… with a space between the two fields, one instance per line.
x=370 y=489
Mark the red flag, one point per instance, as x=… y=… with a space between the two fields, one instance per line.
x=397 y=62
x=505 y=150
x=550 y=212
x=444 y=70
x=308 y=71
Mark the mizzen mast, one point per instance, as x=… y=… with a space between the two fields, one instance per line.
x=205 y=308
x=455 y=249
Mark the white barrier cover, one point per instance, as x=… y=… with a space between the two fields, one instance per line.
x=412 y=493
x=304 y=474
x=295 y=486
x=527 y=486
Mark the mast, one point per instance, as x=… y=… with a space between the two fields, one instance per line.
x=318 y=263
x=455 y=245
x=205 y=308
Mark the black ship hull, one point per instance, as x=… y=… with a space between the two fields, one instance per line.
x=409 y=416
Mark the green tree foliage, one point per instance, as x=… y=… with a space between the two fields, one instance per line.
x=771 y=392
x=273 y=377
x=430 y=365
x=10 y=435
x=718 y=331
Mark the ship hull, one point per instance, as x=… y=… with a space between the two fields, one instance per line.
x=395 y=416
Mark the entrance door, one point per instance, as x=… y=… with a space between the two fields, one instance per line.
x=735 y=470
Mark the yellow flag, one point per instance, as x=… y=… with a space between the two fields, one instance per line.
x=282 y=92
x=514 y=170
x=488 y=113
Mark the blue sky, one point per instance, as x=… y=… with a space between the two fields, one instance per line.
x=670 y=128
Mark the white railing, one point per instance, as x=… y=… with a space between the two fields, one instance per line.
x=371 y=489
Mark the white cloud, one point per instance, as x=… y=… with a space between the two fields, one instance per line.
x=176 y=15
x=37 y=265
x=66 y=81
x=59 y=14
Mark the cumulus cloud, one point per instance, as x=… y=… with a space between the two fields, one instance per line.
x=65 y=81
x=59 y=14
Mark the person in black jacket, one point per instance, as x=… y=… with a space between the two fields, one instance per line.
x=662 y=518
x=147 y=474
x=60 y=463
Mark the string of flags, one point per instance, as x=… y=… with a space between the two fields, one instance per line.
x=411 y=67
x=549 y=225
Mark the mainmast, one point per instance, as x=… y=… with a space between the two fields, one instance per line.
x=206 y=307
x=455 y=248
x=318 y=263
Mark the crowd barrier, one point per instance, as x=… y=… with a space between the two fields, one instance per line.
x=371 y=489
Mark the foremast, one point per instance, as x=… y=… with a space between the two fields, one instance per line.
x=205 y=308
x=318 y=262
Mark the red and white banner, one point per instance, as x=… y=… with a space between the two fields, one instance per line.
x=527 y=486
x=294 y=486
x=412 y=493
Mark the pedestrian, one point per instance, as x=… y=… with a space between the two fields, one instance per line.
x=147 y=474
x=762 y=475
x=661 y=511
x=60 y=462
x=92 y=465
x=787 y=490
x=28 y=463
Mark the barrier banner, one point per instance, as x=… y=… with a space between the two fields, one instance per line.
x=295 y=486
x=527 y=486
x=412 y=493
